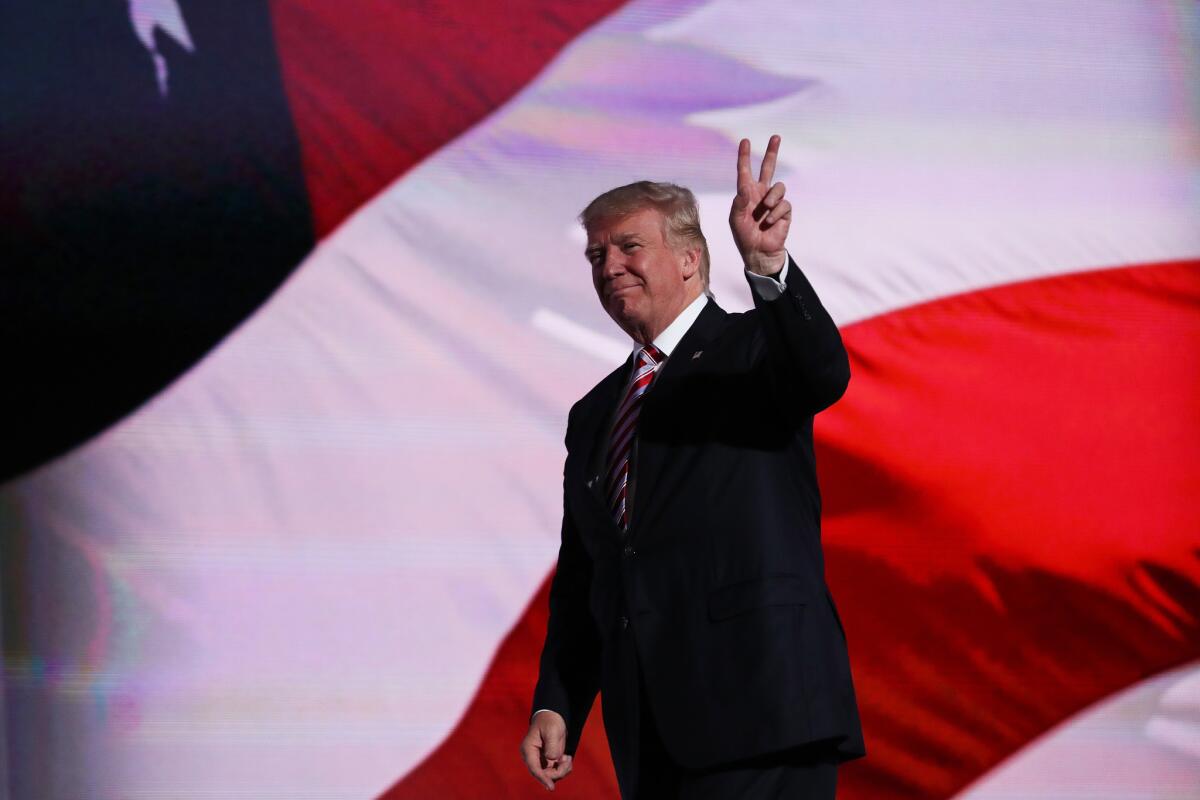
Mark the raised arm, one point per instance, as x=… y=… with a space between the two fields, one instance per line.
x=804 y=350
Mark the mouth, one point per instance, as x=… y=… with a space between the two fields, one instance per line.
x=617 y=291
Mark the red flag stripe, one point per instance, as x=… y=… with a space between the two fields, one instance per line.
x=991 y=635
x=374 y=87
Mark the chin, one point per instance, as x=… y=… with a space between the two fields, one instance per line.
x=623 y=312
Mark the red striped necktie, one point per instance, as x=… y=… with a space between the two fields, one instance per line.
x=649 y=358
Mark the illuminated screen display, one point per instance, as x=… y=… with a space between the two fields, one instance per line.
x=296 y=305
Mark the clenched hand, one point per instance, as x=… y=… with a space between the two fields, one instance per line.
x=542 y=748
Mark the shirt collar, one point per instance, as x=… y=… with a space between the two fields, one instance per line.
x=668 y=340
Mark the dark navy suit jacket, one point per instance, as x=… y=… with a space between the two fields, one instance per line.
x=716 y=593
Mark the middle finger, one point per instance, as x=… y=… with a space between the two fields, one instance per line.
x=767 y=171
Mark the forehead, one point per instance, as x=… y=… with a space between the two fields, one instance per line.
x=645 y=222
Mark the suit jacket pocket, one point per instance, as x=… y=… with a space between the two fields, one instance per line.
x=773 y=590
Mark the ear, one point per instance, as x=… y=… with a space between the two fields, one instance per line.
x=690 y=262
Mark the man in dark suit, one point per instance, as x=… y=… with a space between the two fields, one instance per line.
x=690 y=584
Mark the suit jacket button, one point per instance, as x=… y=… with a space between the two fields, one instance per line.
x=629 y=552
x=623 y=622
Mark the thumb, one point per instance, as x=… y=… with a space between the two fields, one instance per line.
x=552 y=745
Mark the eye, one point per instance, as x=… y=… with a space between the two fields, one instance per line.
x=629 y=246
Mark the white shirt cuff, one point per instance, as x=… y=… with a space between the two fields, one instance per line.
x=767 y=287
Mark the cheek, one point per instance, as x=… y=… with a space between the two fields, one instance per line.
x=630 y=303
x=656 y=276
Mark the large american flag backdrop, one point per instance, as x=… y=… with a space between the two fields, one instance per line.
x=294 y=305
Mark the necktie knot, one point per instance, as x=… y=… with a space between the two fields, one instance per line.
x=650 y=356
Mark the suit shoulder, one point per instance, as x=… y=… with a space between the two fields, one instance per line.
x=733 y=328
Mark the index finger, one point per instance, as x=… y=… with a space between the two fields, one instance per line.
x=767 y=171
x=533 y=761
x=560 y=770
x=743 y=164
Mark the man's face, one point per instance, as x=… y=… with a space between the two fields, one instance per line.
x=641 y=281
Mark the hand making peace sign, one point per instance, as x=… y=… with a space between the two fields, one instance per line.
x=760 y=217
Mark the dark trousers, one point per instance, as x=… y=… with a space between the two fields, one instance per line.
x=803 y=773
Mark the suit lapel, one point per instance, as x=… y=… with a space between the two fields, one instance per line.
x=651 y=455
x=593 y=437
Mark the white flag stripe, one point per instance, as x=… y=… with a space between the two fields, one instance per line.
x=607 y=348
x=1130 y=745
x=929 y=148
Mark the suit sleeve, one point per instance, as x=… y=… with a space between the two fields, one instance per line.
x=569 y=671
x=805 y=357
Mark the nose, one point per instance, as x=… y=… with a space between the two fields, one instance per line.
x=614 y=263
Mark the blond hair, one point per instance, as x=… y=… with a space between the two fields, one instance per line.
x=677 y=204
